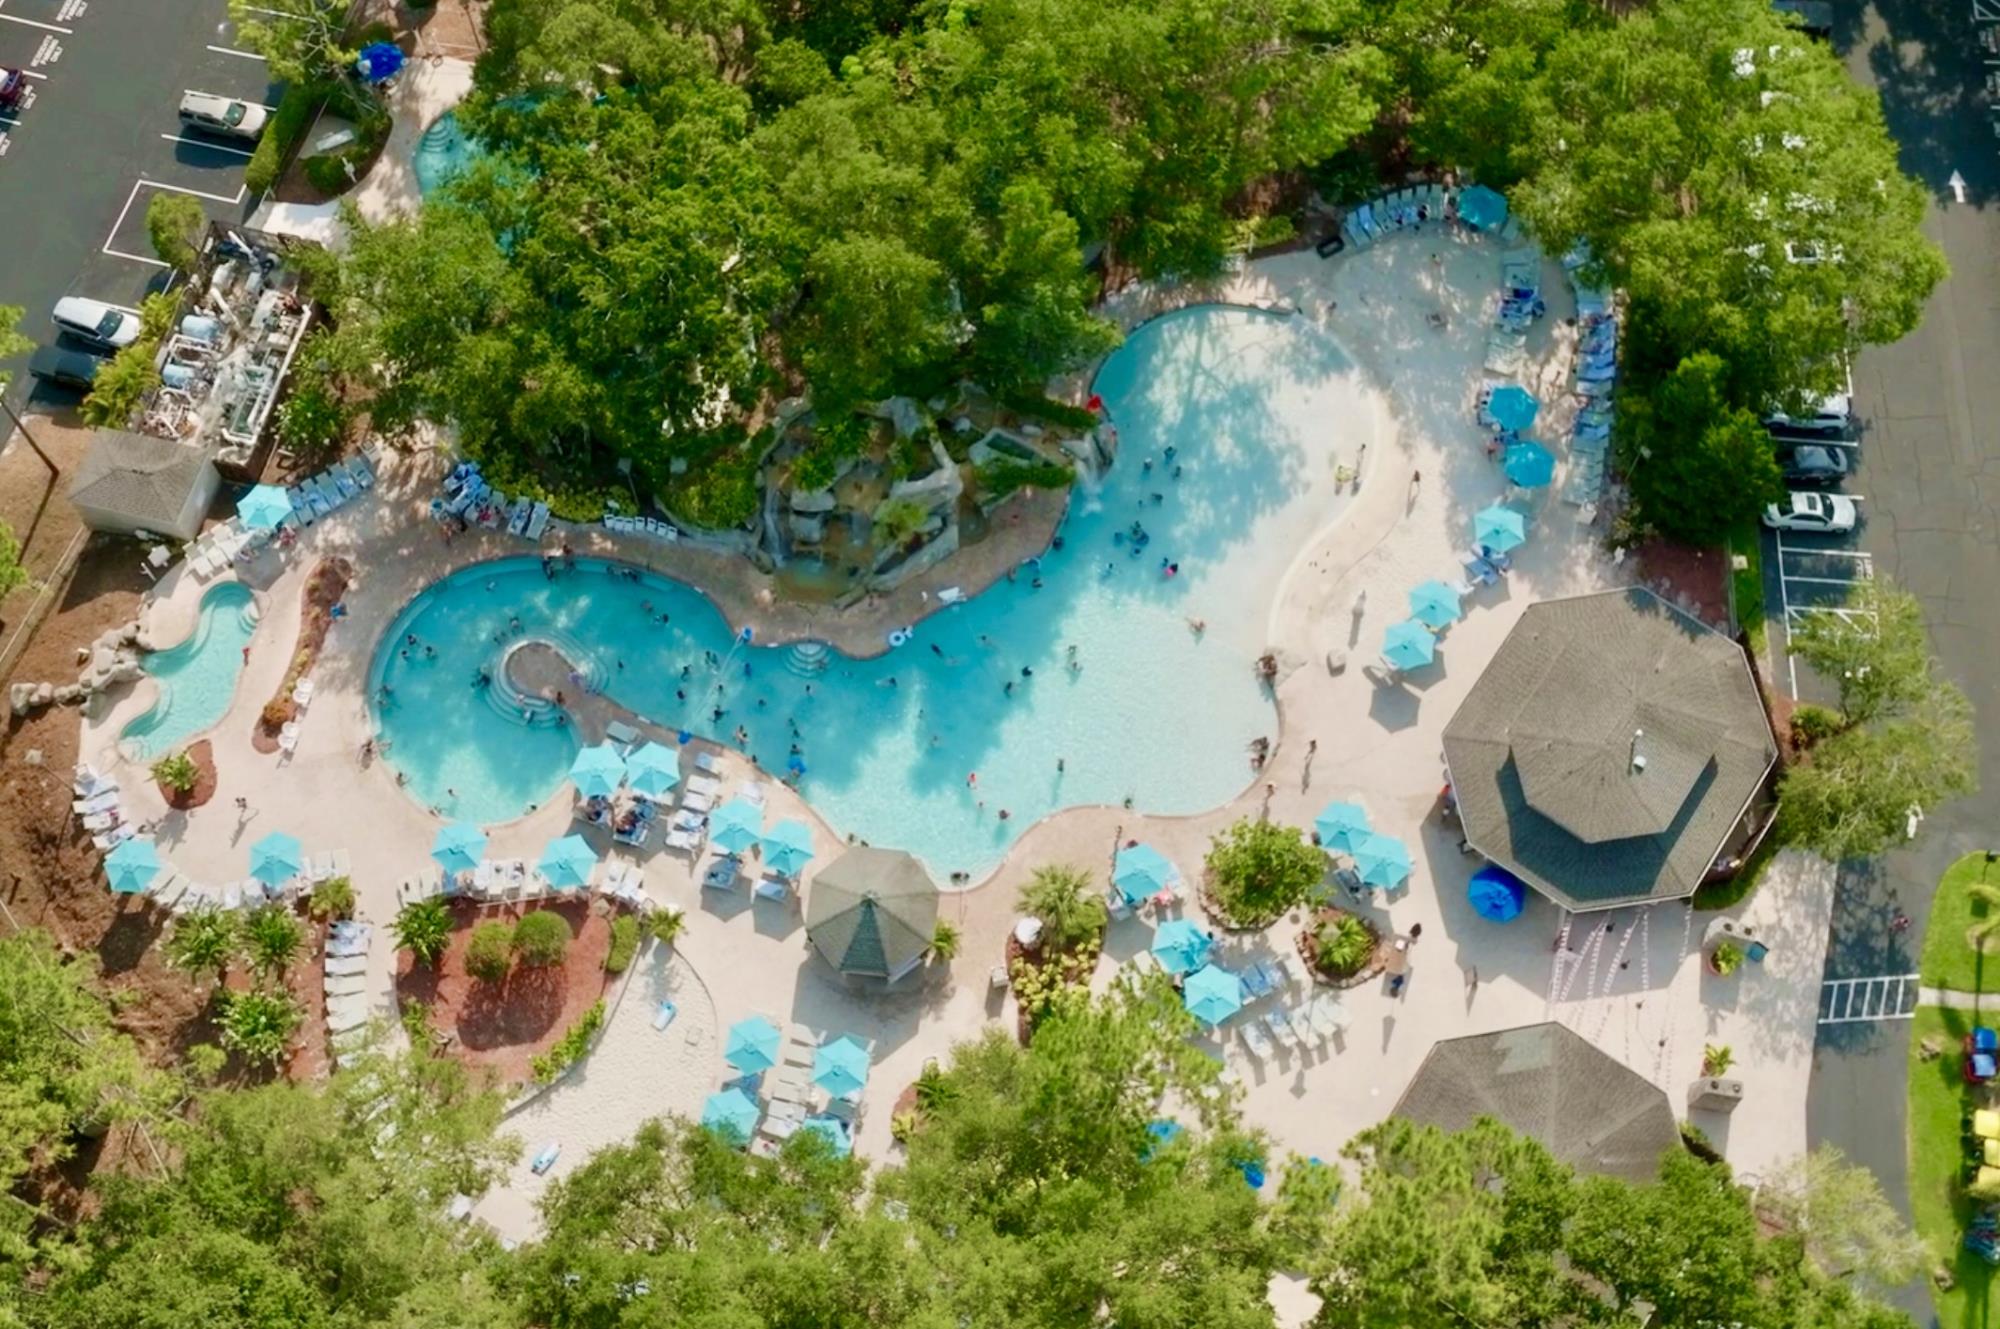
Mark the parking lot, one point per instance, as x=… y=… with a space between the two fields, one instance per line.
x=1808 y=573
x=97 y=137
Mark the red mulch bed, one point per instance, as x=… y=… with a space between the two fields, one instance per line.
x=323 y=590
x=203 y=757
x=312 y=1054
x=501 y=1026
x=1695 y=579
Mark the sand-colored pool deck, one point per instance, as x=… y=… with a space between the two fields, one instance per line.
x=1639 y=990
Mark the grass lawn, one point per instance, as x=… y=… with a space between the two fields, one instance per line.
x=1746 y=585
x=1722 y=894
x=1938 y=1102
x=1948 y=961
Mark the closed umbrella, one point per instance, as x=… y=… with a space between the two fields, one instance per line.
x=1529 y=465
x=1512 y=407
x=568 y=861
x=264 y=507
x=276 y=858
x=731 y=1113
x=752 y=1045
x=1481 y=208
x=841 y=1067
x=1382 y=860
x=788 y=847
x=1340 y=824
x=1141 y=871
x=653 y=770
x=1435 y=603
x=133 y=865
x=1212 y=995
x=1180 y=946
x=1409 y=645
x=1498 y=528
x=597 y=772
x=1496 y=894
x=736 y=825
x=458 y=847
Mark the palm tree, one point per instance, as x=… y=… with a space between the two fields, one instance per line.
x=273 y=937
x=423 y=928
x=944 y=942
x=203 y=942
x=333 y=898
x=667 y=925
x=260 y=1025
x=1980 y=936
x=1071 y=910
x=1343 y=946
x=176 y=772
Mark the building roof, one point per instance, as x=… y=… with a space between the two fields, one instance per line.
x=1608 y=749
x=138 y=476
x=1544 y=1080
x=872 y=912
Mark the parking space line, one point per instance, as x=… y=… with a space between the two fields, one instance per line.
x=245 y=100
x=1861 y=554
x=204 y=143
x=1825 y=581
x=34 y=73
x=231 y=50
x=37 y=23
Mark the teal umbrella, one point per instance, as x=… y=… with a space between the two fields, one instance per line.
x=1382 y=860
x=133 y=865
x=1141 y=871
x=788 y=847
x=841 y=1067
x=1409 y=645
x=653 y=769
x=276 y=858
x=458 y=847
x=1529 y=465
x=752 y=1045
x=1512 y=407
x=264 y=507
x=1181 y=946
x=567 y=862
x=1340 y=825
x=1212 y=995
x=597 y=772
x=1498 y=528
x=736 y=825
x=731 y=1113
x=1435 y=603
x=833 y=1130
x=1481 y=208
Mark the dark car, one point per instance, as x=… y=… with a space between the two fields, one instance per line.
x=13 y=86
x=1809 y=465
x=64 y=367
x=1815 y=16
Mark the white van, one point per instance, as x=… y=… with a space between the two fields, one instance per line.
x=95 y=323
x=221 y=115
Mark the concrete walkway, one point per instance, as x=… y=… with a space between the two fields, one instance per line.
x=1953 y=999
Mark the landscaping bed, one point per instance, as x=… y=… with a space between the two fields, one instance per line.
x=1307 y=941
x=1938 y=1101
x=323 y=590
x=202 y=754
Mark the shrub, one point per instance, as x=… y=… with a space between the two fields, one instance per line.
x=272 y=936
x=1067 y=902
x=721 y=493
x=327 y=171
x=815 y=467
x=1716 y=1058
x=333 y=898
x=944 y=942
x=203 y=942
x=1001 y=478
x=570 y=1047
x=1812 y=723
x=490 y=952
x=624 y=944
x=312 y=421
x=1048 y=408
x=174 y=224
x=260 y=1025
x=275 y=713
x=1727 y=957
x=1259 y=869
x=1342 y=946
x=122 y=382
x=287 y=125
x=423 y=928
x=897 y=521
x=540 y=938
x=176 y=771
x=1277 y=230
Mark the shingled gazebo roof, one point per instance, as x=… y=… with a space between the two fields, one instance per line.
x=1608 y=749
x=872 y=912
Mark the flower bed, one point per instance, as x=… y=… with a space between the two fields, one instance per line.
x=324 y=588
x=203 y=757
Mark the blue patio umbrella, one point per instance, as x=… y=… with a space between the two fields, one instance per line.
x=1161 y=1133
x=379 y=61
x=1435 y=603
x=1529 y=465
x=841 y=1067
x=752 y=1045
x=653 y=770
x=833 y=1130
x=276 y=858
x=1498 y=528
x=1339 y=825
x=1212 y=995
x=736 y=825
x=458 y=847
x=567 y=862
x=597 y=772
x=133 y=865
x=1512 y=407
x=1381 y=860
x=1409 y=645
x=264 y=507
x=731 y=1113
x=1141 y=871
x=788 y=847
x=1496 y=894
x=1181 y=947
x=1481 y=208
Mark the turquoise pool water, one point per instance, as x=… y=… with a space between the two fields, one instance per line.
x=1253 y=404
x=198 y=677
x=443 y=153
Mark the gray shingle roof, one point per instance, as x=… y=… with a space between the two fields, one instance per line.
x=1544 y=1080
x=141 y=477
x=872 y=911
x=1608 y=749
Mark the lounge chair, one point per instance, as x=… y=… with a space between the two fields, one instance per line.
x=114 y=837
x=103 y=801
x=721 y=875
x=288 y=738
x=621 y=733
x=1281 y=1030
x=697 y=802
x=770 y=888
x=302 y=693
x=702 y=784
x=102 y=821
x=1300 y=1019
x=706 y=763
x=1251 y=1035
x=538 y=521
x=752 y=793
x=684 y=841
x=1328 y=1015
x=169 y=889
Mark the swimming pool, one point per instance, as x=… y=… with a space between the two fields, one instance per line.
x=443 y=153
x=196 y=678
x=1253 y=406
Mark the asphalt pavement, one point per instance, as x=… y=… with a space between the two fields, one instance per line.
x=99 y=136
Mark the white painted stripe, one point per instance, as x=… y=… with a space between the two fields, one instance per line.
x=1827 y=581
x=121 y=219
x=136 y=258
x=34 y=73
x=34 y=23
x=204 y=143
x=231 y=50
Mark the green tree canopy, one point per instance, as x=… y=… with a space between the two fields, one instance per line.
x=1699 y=468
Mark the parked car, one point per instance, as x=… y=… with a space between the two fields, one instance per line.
x=222 y=115
x=1815 y=16
x=1810 y=464
x=1829 y=417
x=95 y=323
x=64 y=368
x=1832 y=513
x=13 y=87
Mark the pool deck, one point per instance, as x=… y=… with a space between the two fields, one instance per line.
x=1640 y=991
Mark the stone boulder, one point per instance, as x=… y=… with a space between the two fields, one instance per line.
x=812 y=501
x=21 y=698
x=71 y=693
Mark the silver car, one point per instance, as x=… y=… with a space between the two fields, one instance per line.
x=1831 y=513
